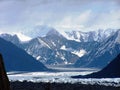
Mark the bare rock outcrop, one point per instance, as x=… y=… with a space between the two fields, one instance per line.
x=4 y=81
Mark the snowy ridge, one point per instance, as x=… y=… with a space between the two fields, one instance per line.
x=43 y=43
x=79 y=36
x=23 y=37
x=118 y=37
x=69 y=37
x=20 y=36
x=62 y=47
x=103 y=53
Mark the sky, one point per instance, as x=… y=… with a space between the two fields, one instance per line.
x=63 y=15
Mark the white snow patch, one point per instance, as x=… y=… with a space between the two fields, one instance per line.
x=67 y=49
x=38 y=57
x=23 y=37
x=70 y=37
x=57 y=53
x=62 y=57
x=53 y=43
x=80 y=53
x=43 y=43
x=66 y=62
x=63 y=47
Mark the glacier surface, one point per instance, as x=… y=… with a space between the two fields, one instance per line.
x=61 y=77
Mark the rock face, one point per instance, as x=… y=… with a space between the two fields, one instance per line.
x=4 y=82
x=110 y=71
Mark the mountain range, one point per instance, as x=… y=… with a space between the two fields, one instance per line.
x=101 y=55
x=90 y=36
x=80 y=49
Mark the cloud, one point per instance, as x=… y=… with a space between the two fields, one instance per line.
x=61 y=14
x=107 y=20
x=74 y=22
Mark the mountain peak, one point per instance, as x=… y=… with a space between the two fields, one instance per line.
x=98 y=35
x=52 y=32
x=38 y=31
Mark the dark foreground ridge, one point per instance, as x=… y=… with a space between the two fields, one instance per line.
x=112 y=70
x=4 y=82
x=16 y=59
x=57 y=86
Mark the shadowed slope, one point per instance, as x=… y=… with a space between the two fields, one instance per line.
x=112 y=70
x=16 y=59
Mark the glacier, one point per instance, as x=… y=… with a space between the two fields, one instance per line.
x=61 y=77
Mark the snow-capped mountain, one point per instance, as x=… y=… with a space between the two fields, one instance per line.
x=76 y=46
x=22 y=37
x=15 y=37
x=48 y=49
x=52 y=48
x=90 y=36
x=103 y=53
x=16 y=59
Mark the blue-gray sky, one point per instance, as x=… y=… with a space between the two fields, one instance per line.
x=60 y=14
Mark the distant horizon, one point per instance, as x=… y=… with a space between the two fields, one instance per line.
x=29 y=29
x=25 y=30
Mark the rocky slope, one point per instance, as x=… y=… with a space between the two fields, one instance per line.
x=103 y=53
x=110 y=71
